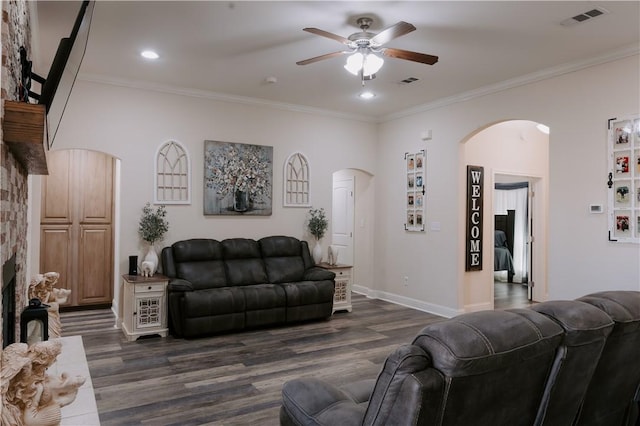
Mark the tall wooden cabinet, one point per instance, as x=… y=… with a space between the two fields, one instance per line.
x=76 y=233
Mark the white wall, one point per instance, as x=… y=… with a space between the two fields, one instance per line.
x=130 y=124
x=576 y=106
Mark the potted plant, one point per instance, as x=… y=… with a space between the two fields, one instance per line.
x=153 y=226
x=317 y=226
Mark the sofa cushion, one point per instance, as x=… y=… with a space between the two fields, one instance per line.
x=487 y=339
x=280 y=246
x=212 y=302
x=308 y=292
x=204 y=274
x=263 y=296
x=197 y=249
x=284 y=269
x=282 y=258
x=199 y=261
x=586 y=330
x=243 y=262
x=240 y=248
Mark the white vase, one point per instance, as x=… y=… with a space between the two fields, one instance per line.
x=317 y=252
x=152 y=256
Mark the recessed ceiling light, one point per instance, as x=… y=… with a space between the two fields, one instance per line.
x=367 y=95
x=149 y=54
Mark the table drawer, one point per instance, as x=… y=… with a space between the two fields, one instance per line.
x=342 y=274
x=148 y=288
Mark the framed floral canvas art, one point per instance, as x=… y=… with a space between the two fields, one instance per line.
x=237 y=179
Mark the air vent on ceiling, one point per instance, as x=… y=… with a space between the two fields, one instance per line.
x=408 y=80
x=583 y=17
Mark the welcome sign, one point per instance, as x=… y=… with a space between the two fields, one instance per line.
x=475 y=192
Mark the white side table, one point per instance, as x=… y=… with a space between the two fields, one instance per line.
x=145 y=306
x=342 y=294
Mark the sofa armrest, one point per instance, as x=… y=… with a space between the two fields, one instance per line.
x=313 y=401
x=318 y=274
x=179 y=285
x=168 y=263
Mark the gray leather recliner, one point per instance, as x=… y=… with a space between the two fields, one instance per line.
x=449 y=375
x=616 y=381
x=557 y=363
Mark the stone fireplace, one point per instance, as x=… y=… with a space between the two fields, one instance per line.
x=15 y=32
x=9 y=302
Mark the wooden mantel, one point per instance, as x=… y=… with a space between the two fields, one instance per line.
x=24 y=132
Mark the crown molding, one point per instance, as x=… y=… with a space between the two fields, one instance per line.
x=556 y=71
x=460 y=97
x=195 y=93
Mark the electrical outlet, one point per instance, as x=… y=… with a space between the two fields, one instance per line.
x=406 y=281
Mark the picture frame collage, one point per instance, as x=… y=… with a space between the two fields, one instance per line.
x=415 y=184
x=624 y=179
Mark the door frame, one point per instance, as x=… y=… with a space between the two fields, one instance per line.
x=35 y=185
x=537 y=247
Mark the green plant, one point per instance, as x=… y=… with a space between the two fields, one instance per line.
x=153 y=224
x=318 y=222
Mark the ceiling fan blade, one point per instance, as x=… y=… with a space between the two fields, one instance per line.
x=410 y=56
x=327 y=34
x=321 y=57
x=394 y=31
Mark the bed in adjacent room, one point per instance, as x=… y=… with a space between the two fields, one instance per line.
x=503 y=244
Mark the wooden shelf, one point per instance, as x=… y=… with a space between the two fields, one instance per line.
x=23 y=130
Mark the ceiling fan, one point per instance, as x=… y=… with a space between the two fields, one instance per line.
x=366 y=47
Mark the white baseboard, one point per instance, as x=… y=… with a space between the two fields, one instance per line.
x=115 y=309
x=431 y=308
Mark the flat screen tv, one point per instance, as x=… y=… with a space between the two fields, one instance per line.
x=57 y=86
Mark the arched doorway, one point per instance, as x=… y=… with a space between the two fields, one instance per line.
x=514 y=148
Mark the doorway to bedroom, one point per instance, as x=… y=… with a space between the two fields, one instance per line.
x=513 y=240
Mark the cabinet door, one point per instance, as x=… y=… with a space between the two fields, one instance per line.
x=149 y=311
x=56 y=252
x=96 y=172
x=57 y=189
x=78 y=195
x=94 y=265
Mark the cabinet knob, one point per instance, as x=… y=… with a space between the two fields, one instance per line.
x=149 y=288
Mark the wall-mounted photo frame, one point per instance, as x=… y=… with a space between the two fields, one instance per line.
x=415 y=189
x=624 y=179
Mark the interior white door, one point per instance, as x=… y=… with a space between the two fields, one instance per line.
x=342 y=218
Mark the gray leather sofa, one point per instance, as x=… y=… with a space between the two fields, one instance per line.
x=558 y=363
x=237 y=283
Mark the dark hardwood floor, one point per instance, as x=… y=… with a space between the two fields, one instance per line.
x=234 y=379
x=510 y=295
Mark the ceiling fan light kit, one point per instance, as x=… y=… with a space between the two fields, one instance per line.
x=367 y=63
x=365 y=48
